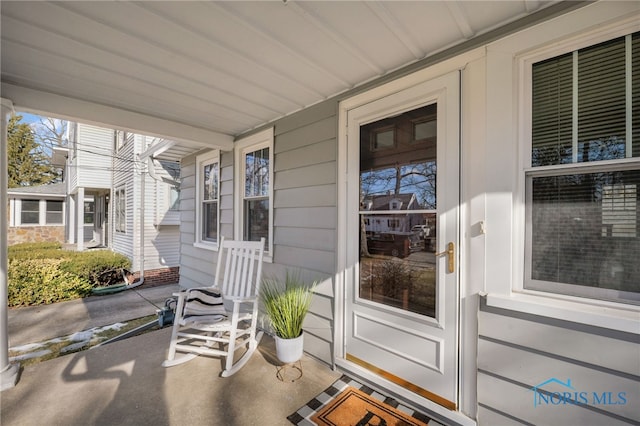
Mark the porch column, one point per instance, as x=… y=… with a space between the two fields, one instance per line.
x=8 y=372
x=80 y=218
x=71 y=221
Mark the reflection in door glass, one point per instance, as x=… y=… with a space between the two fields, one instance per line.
x=398 y=212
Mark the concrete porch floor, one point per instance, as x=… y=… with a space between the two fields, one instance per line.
x=123 y=383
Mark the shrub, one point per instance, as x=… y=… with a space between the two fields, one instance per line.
x=37 y=251
x=41 y=281
x=16 y=248
x=99 y=268
x=392 y=278
x=41 y=273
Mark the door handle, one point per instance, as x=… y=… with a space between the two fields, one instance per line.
x=450 y=252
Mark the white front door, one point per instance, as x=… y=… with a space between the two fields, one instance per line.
x=401 y=285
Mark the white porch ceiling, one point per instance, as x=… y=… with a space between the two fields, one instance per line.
x=209 y=71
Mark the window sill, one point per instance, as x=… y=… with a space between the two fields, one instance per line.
x=614 y=317
x=214 y=247
x=206 y=246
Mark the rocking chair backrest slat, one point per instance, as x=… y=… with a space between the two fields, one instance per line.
x=240 y=277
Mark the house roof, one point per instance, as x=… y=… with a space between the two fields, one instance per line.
x=50 y=190
x=202 y=73
x=381 y=202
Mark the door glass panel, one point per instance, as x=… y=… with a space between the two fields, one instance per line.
x=398 y=212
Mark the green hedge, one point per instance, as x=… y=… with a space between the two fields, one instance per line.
x=38 y=251
x=42 y=281
x=96 y=267
x=41 y=273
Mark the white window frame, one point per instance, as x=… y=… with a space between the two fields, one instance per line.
x=509 y=56
x=46 y=211
x=203 y=160
x=526 y=65
x=119 y=194
x=15 y=208
x=40 y=212
x=120 y=139
x=509 y=293
x=260 y=140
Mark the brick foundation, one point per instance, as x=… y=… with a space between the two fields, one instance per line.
x=157 y=277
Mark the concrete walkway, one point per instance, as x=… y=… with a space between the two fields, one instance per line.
x=39 y=323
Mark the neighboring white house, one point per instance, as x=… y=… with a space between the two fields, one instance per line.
x=387 y=218
x=144 y=207
x=88 y=176
x=109 y=198
x=535 y=282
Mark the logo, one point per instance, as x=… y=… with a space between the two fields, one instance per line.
x=556 y=392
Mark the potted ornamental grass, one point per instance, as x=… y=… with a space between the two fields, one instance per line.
x=286 y=304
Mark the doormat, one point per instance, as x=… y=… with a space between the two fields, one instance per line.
x=350 y=403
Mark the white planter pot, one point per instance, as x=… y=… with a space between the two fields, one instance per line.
x=289 y=350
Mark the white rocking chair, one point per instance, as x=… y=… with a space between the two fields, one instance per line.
x=201 y=319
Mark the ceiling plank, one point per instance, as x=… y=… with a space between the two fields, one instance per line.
x=396 y=28
x=460 y=18
x=335 y=35
x=266 y=35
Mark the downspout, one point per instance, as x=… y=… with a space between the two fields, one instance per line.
x=8 y=372
x=142 y=223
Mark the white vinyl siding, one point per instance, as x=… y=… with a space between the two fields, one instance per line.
x=161 y=241
x=92 y=166
x=512 y=360
x=197 y=263
x=126 y=181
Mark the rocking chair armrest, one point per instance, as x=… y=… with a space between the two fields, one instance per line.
x=241 y=299
x=188 y=290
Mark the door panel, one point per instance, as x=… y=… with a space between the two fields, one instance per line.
x=401 y=308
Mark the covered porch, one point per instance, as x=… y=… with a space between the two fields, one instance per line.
x=295 y=84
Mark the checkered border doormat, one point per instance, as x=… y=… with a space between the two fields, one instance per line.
x=303 y=415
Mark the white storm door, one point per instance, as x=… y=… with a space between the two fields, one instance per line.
x=401 y=294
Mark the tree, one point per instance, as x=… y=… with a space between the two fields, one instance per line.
x=28 y=164
x=50 y=132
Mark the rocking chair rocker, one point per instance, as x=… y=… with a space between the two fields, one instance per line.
x=224 y=316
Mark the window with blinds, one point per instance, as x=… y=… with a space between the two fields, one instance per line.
x=583 y=186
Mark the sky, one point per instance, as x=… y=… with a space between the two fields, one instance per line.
x=28 y=118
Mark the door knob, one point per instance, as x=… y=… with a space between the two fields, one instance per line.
x=450 y=252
